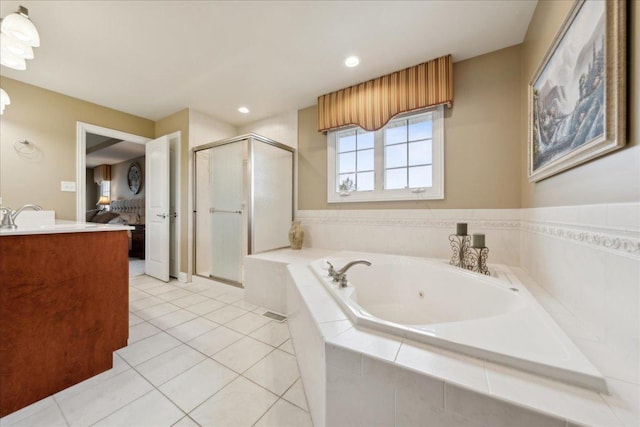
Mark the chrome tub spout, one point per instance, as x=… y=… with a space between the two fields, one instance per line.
x=340 y=275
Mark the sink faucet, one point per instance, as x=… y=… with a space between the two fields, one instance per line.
x=341 y=274
x=9 y=217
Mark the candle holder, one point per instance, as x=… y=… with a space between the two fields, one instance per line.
x=460 y=244
x=476 y=259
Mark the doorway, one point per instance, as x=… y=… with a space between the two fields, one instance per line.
x=83 y=132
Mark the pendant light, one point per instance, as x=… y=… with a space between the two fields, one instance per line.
x=4 y=100
x=10 y=60
x=16 y=47
x=19 y=26
x=18 y=36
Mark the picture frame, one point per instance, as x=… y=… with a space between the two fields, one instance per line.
x=577 y=96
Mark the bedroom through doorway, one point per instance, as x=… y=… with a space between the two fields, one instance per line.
x=115 y=190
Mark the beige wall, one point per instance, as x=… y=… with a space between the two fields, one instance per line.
x=482 y=150
x=173 y=123
x=48 y=120
x=120 y=183
x=612 y=178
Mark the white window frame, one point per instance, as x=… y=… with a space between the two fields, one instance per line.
x=435 y=192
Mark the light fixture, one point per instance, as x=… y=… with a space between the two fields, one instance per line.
x=19 y=26
x=243 y=110
x=10 y=60
x=103 y=201
x=4 y=100
x=352 y=61
x=16 y=47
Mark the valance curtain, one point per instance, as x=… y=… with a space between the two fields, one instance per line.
x=372 y=104
x=101 y=173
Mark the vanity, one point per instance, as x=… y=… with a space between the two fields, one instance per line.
x=63 y=307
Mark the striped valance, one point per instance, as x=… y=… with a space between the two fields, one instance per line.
x=372 y=104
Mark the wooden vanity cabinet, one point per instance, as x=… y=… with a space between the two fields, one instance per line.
x=63 y=311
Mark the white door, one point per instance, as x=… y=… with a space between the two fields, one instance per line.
x=157 y=208
x=174 y=204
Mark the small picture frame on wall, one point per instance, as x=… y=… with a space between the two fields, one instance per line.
x=134 y=178
x=577 y=96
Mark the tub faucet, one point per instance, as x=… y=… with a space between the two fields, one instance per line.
x=9 y=217
x=340 y=276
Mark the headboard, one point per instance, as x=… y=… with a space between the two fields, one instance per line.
x=132 y=210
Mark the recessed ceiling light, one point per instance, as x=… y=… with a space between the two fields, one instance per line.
x=243 y=110
x=352 y=61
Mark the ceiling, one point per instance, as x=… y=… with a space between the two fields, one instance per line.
x=102 y=150
x=153 y=58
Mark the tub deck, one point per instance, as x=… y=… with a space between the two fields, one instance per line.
x=494 y=320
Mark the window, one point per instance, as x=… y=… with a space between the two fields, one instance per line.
x=402 y=161
x=105 y=188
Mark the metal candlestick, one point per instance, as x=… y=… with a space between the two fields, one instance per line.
x=476 y=260
x=460 y=244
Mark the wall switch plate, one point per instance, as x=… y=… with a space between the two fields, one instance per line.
x=69 y=186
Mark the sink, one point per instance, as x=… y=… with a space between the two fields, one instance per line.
x=32 y=219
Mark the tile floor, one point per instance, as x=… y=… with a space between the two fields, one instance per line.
x=198 y=355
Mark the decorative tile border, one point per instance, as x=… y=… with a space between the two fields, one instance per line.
x=618 y=241
x=560 y=223
x=489 y=219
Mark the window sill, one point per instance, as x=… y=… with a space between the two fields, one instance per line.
x=388 y=196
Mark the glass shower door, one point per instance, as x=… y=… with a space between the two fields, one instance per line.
x=227 y=185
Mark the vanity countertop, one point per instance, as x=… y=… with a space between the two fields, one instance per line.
x=64 y=227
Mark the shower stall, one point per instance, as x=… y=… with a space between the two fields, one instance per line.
x=243 y=203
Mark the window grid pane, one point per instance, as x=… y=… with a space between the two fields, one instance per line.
x=408 y=152
x=355 y=159
x=407 y=156
x=395 y=179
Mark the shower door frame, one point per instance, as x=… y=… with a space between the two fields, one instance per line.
x=251 y=139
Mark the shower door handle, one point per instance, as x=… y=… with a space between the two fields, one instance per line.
x=214 y=210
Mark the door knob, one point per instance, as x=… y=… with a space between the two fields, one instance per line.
x=163 y=216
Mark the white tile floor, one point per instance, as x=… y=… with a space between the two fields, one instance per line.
x=198 y=355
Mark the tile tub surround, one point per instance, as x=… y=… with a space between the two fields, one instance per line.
x=583 y=265
x=414 y=232
x=179 y=368
x=490 y=318
x=586 y=260
x=347 y=370
x=265 y=275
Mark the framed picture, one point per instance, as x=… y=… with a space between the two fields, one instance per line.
x=577 y=97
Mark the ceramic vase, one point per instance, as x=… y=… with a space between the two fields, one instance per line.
x=296 y=235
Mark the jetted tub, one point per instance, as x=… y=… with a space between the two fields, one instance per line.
x=459 y=310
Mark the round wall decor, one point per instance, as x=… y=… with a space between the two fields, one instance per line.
x=134 y=178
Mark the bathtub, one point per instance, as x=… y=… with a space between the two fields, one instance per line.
x=462 y=311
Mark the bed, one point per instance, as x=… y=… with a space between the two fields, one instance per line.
x=127 y=212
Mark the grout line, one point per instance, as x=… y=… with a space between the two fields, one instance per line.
x=265 y=412
x=210 y=357
x=290 y=387
x=398 y=351
x=64 y=417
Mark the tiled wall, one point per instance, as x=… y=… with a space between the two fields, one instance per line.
x=585 y=257
x=414 y=232
x=588 y=258
x=309 y=347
